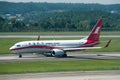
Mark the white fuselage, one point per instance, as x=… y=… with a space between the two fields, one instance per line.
x=60 y=47
x=45 y=46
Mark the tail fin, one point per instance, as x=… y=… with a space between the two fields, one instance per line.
x=95 y=33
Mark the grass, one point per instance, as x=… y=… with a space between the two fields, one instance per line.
x=5 y=44
x=57 y=66
x=113 y=47
x=59 y=33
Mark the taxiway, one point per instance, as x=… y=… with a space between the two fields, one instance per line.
x=71 y=56
x=54 y=36
x=80 y=75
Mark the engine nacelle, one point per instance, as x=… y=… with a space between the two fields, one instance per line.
x=59 y=53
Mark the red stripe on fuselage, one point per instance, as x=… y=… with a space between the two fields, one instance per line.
x=41 y=47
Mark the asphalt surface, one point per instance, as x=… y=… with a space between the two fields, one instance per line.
x=54 y=36
x=71 y=56
x=80 y=75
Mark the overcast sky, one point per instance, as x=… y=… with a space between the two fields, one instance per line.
x=70 y=1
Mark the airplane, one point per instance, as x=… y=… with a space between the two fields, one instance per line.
x=58 y=48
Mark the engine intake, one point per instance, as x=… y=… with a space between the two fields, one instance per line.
x=59 y=53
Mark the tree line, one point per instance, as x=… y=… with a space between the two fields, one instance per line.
x=61 y=21
x=23 y=8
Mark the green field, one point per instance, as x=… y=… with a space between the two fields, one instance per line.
x=5 y=44
x=57 y=66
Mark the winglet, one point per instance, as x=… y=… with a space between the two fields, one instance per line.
x=38 y=37
x=107 y=44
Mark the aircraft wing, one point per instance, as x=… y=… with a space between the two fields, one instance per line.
x=85 y=48
x=82 y=48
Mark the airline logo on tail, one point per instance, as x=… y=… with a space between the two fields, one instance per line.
x=97 y=30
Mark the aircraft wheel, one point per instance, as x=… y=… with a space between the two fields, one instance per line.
x=65 y=55
x=48 y=54
x=20 y=55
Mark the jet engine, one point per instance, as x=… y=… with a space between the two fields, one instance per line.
x=59 y=53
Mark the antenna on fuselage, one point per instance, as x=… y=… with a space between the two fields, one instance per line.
x=38 y=37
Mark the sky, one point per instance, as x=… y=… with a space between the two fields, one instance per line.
x=70 y=1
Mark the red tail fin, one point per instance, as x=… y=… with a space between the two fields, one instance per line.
x=95 y=33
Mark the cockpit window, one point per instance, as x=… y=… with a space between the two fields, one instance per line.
x=18 y=45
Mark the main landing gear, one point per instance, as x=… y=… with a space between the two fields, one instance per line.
x=20 y=55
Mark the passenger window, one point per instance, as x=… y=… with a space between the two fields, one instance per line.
x=18 y=45
x=33 y=43
x=37 y=43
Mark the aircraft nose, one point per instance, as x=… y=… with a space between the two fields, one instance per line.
x=11 y=48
